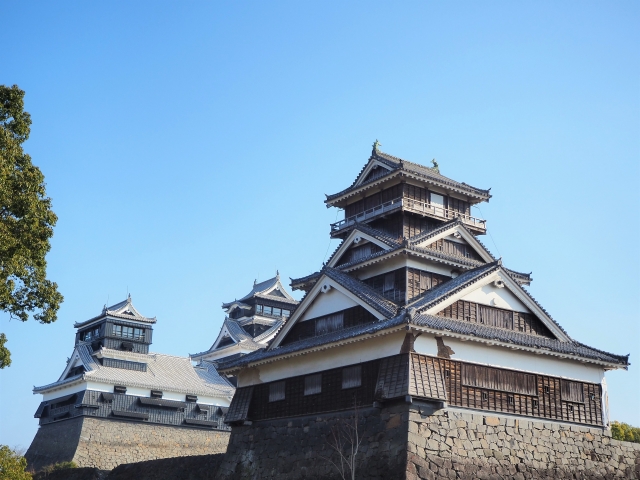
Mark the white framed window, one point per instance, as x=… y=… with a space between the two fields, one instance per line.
x=276 y=391
x=437 y=200
x=352 y=377
x=313 y=384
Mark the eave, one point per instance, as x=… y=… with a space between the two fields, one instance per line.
x=513 y=346
x=318 y=348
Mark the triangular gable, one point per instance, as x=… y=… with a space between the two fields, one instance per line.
x=506 y=293
x=224 y=332
x=328 y=296
x=354 y=240
x=454 y=232
x=277 y=290
x=374 y=169
x=74 y=361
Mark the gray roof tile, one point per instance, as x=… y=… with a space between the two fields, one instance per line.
x=362 y=291
x=428 y=173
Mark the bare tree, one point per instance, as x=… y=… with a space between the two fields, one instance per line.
x=345 y=441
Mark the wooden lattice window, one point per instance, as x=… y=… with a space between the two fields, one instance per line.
x=352 y=377
x=191 y=398
x=119 y=389
x=276 y=391
x=313 y=384
x=497 y=379
x=572 y=391
x=156 y=394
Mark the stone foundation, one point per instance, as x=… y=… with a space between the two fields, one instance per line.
x=419 y=442
x=301 y=447
x=454 y=444
x=105 y=444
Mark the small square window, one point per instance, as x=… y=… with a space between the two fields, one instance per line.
x=592 y=396
x=535 y=403
x=511 y=400
x=352 y=377
x=313 y=384
x=547 y=389
x=485 y=396
x=447 y=373
x=276 y=391
x=570 y=408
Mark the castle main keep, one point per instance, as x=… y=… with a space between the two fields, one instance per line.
x=420 y=350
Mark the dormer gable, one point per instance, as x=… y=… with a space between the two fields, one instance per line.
x=455 y=239
x=361 y=243
x=335 y=292
x=490 y=289
x=372 y=171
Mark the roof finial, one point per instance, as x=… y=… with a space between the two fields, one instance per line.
x=435 y=167
x=129 y=297
x=277 y=273
x=255 y=281
x=376 y=144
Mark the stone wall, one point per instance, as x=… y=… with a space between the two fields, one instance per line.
x=301 y=447
x=418 y=441
x=105 y=444
x=454 y=444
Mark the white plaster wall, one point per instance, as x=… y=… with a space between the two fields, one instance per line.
x=218 y=402
x=496 y=356
x=327 y=303
x=357 y=352
x=64 y=391
x=501 y=298
x=137 y=392
x=141 y=392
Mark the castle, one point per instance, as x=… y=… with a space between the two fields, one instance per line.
x=414 y=345
x=413 y=348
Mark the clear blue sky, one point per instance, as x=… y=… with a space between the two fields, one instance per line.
x=188 y=146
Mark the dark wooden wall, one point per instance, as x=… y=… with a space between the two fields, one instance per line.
x=420 y=281
x=332 y=397
x=546 y=401
x=454 y=248
x=466 y=385
x=398 y=294
x=407 y=191
x=352 y=317
x=496 y=317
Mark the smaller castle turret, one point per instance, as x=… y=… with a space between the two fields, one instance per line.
x=118 y=327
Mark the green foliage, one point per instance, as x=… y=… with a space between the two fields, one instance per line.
x=5 y=355
x=26 y=223
x=12 y=465
x=624 y=431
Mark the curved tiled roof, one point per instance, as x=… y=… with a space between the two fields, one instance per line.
x=163 y=372
x=517 y=338
x=261 y=289
x=397 y=164
x=513 y=339
x=124 y=310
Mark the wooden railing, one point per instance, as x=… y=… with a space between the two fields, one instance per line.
x=410 y=205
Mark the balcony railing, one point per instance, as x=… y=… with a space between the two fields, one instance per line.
x=408 y=204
